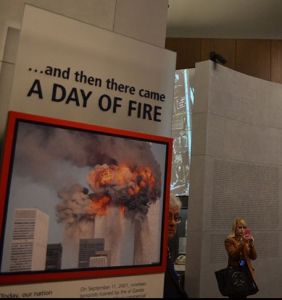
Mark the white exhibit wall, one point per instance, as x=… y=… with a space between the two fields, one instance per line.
x=95 y=12
x=236 y=171
x=142 y=20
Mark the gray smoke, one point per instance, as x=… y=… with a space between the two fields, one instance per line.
x=47 y=154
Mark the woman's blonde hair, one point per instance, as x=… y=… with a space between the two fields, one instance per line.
x=236 y=223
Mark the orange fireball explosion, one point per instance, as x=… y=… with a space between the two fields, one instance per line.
x=121 y=178
x=99 y=206
x=103 y=175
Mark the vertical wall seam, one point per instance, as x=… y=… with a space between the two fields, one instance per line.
x=114 y=20
x=270 y=59
x=235 y=55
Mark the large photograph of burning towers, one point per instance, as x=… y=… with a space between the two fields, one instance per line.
x=82 y=198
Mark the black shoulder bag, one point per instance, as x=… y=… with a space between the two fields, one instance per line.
x=236 y=281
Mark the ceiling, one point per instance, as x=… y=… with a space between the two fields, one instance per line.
x=251 y=19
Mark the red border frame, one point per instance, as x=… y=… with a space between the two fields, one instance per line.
x=75 y=275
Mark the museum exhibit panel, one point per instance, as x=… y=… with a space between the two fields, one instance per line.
x=84 y=84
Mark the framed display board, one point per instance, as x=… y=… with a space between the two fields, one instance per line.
x=81 y=201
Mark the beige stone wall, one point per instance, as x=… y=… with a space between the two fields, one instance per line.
x=235 y=172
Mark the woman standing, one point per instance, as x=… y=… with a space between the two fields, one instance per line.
x=240 y=246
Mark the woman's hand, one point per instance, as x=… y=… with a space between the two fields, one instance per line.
x=248 y=237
